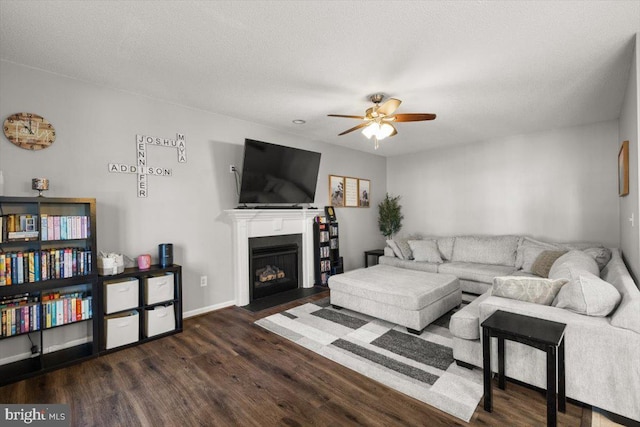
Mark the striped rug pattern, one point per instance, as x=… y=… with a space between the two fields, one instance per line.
x=419 y=366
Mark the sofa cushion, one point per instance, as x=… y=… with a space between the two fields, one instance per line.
x=529 y=246
x=465 y=323
x=445 y=245
x=543 y=263
x=495 y=250
x=408 y=264
x=425 y=251
x=535 y=290
x=476 y=272
x=588 y=294
x=572 y=264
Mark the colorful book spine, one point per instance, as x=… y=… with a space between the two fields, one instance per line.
x=20 y=268
x=3 y=268
x=44 y=231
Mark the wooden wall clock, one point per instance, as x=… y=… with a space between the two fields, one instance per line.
x=29 y=131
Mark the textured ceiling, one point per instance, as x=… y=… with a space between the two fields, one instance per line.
x=486 y=68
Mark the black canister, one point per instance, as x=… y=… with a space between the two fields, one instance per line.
x=165 y=254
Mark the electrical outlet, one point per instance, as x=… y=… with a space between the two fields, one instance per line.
x=232 y=168
x=203 y=281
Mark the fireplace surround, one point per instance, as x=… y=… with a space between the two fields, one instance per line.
x=249 y=223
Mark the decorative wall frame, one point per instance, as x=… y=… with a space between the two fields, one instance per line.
x=623 y=169
x=336 y=191
x=364 y=190
x=349 y=192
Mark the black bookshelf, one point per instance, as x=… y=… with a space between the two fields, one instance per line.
x=83 y=282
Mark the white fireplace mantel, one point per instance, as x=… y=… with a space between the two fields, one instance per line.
x=248 y=223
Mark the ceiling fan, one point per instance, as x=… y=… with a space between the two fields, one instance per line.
x=378 y=120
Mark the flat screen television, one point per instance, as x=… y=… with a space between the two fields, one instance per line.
x=275 y=174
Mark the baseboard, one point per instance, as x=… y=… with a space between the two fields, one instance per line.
x=203 y=310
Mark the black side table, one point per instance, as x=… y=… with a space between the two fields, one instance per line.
x=373 y=252
x=542 y=334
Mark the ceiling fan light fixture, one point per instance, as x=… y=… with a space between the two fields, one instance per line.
x=380 y=131
x=385 y=130
x=370 y=130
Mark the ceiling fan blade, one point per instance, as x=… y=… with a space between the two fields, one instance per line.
x=360 y=126
x=388 y=107
x=414 y=117
x=345 y=116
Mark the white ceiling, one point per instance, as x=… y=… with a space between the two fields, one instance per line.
x=486 y=68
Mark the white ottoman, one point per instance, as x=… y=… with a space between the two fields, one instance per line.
x=409 y=298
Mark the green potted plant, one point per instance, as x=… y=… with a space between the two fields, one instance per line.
x=390 y=216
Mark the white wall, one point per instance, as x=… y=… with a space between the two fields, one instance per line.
x=96 y=126
x=628 y=131
x=558 y=185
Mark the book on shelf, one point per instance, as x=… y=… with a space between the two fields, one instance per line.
x=20 y=314
x=34 y=266
x=61 y=309
x=19 y=235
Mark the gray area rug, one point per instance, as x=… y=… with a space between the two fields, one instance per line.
x=419 y=366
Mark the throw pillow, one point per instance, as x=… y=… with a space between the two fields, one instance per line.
x=601 y=254
x=425 y=251
x=530 y=289
x=404 y=247
x=527 y=242
x=588 y=294
x=542 y=265
x=529 y=256
x=572 y=264
x=394 y=247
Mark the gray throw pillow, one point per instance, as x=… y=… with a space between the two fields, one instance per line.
x=542 y=265
x=588 y=294
x=529 y=289
x=394 y=247
x=425 y=251
x=572 y=264
x=404 y=248
x=400 y=248
x=601 y=254
x=526 y=243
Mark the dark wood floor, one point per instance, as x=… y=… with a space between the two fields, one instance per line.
x=223 y=370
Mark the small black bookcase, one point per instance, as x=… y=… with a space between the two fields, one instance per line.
x=326 y=250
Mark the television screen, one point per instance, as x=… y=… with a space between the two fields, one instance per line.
x=275 y=174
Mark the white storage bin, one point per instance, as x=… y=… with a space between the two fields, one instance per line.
x=158 y=288
x=121 y=329
x=121 y=295
x=159 y=320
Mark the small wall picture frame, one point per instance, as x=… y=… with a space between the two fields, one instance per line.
x=623 y=169
x=351 y=192
x=336 y=191
x=364 y=192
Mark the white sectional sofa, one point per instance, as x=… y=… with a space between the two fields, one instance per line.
x=602 y=347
